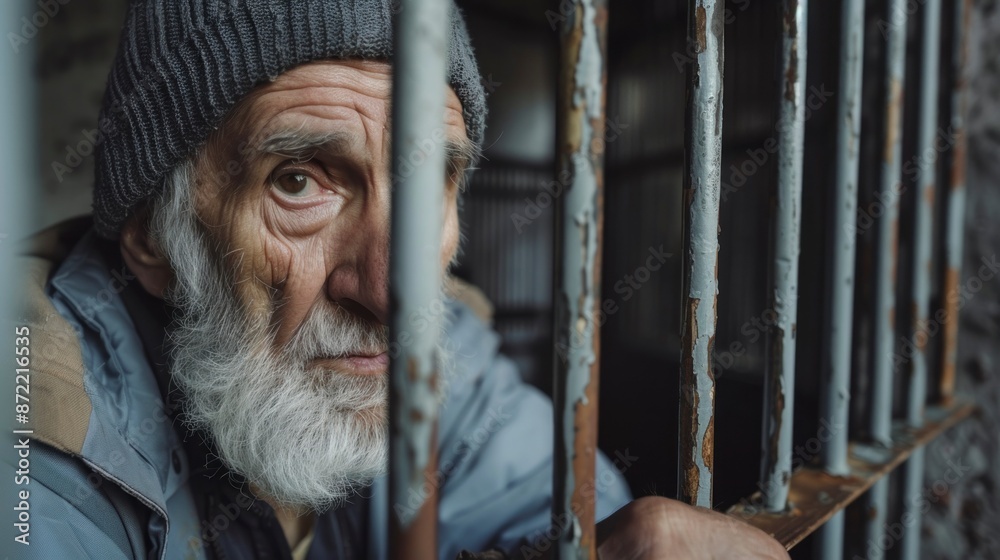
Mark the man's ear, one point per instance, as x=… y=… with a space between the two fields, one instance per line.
x=143 y=256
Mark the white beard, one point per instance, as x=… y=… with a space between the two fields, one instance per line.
x=304 y=437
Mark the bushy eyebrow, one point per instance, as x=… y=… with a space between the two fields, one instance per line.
x=461 y=155
x=301 y=145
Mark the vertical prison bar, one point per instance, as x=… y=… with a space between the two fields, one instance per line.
x=886 y=258
x=18 y=141
x=955 y=200
x=786 y=226
x=923 y=267
x=579 y=236
x=836 y=385
x=420 y=47
x=702 y=188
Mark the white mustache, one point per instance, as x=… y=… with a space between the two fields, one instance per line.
x=332 y=332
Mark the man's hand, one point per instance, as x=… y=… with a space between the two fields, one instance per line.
x=654 y=528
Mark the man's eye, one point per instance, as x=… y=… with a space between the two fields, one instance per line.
x=294 y=184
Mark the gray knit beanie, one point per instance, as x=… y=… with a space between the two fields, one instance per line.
x=183 y=64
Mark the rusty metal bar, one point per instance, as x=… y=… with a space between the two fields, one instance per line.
x=923 y=267
x=888 y=227
x=955 y=224
x=702 y=189
x=836 y=387
x=579 y=242
x=421 y=48
x=786 y=226
x=817 y=496
x=886 y=258
x=923 y=223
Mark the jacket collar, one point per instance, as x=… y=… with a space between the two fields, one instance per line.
x=129 y=436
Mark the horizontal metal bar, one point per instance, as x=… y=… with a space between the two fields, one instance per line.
x=816 y=496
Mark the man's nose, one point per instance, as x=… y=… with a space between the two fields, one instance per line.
x=360 y=283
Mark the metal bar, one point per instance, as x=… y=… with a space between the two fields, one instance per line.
x=579 y=238
x=18 y=216
x=955 y=226
x=818 y=496
x=924 y=219
x=702 y=189
x=420 y=47
x=886 y=258
x=786 y=226
x=888 y=228
x=836 y=387
x=923 y=266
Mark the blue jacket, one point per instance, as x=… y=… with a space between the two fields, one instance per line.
x=111 y=477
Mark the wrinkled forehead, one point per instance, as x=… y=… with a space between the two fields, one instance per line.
x=348 y=98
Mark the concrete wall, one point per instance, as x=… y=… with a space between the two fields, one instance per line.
x=75 y=49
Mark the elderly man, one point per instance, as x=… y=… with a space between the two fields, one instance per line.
x=210 y=352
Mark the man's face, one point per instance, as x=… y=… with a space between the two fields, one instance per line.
x=280 y=278
x=306 y=216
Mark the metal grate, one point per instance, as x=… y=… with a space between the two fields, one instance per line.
x=792 y=502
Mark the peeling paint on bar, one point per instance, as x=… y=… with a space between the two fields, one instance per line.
x=817 y=497
x=579 y=227
x=779 y=375
x=886 y=257
x=836 y=384
x=415 y=277
x=955 y=225
x=923 y=254
x=702 y=189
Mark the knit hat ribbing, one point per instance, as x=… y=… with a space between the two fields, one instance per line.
x=182 y=65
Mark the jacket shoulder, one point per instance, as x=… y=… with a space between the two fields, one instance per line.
x=61 y=407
